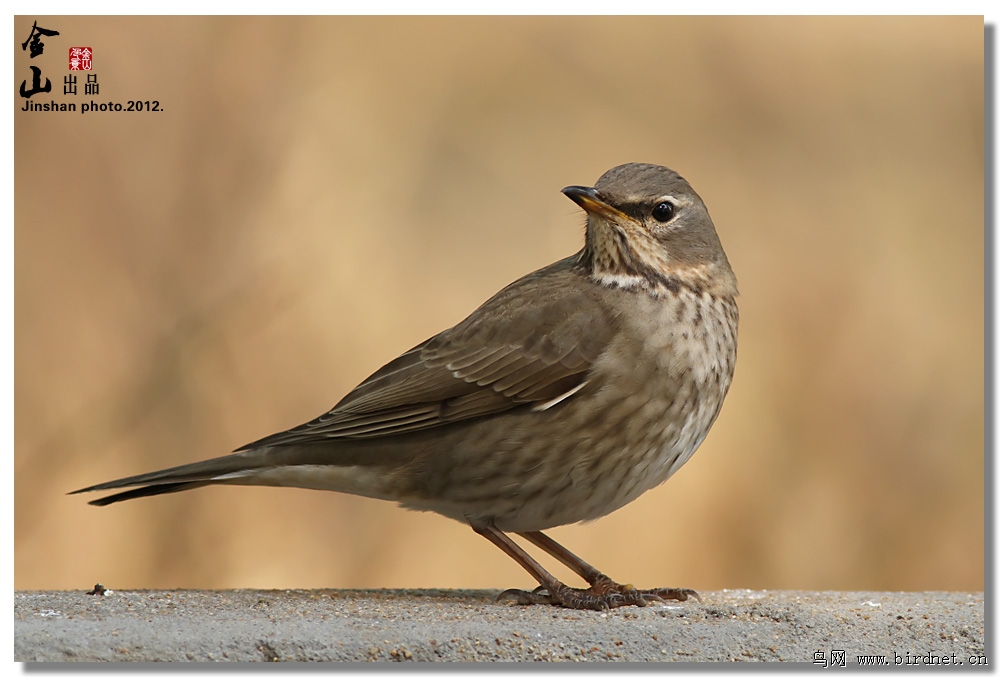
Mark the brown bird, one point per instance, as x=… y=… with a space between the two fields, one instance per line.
x=565 y=396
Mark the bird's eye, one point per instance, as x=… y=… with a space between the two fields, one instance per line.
x=663 y=211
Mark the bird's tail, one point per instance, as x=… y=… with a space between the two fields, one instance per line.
x=151 y=490
x=180 y=478
x=352 y=469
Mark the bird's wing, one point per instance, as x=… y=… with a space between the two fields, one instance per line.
x=530 y=345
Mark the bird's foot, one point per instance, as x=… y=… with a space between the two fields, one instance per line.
x=604 y=594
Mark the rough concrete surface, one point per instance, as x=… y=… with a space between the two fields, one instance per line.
x=467 y=625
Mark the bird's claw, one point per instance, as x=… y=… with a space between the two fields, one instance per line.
x=602 y=596
x=537 y=596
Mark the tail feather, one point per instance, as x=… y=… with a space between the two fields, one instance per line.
x=249 y=467
x=146 y=491
x=179 y=478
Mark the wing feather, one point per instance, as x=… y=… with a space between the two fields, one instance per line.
x=532 y=343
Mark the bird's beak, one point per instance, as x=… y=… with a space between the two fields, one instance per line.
x=592 y=203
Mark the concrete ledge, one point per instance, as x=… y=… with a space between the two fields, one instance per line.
x=467 y=625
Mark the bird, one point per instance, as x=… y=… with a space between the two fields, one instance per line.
x=565 y=396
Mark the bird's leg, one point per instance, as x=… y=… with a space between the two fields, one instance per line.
x=584 y=570
x=616 y=594
x=546 y=580
x=603 y=593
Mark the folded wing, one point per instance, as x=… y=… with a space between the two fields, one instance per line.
x=531 y=344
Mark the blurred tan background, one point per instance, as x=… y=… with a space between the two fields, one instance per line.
x=321 y=194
